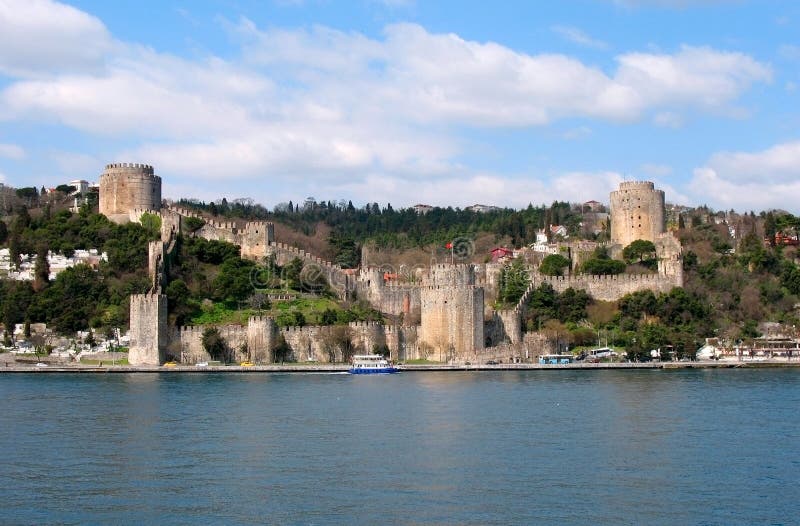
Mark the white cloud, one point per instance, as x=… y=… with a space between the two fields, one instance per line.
x=577 y=133
x=485 y=188
x=41 y=37
x=656 y=170
x=78 y=164
x=765 y=179
x=680 y=4
x=668 y=119
x=789 y=52
x=695 y=76
x=12 y=151
x=577 y=36
x=339 y=110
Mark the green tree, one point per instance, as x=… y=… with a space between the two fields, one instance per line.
x=152 y=224
x=41 y=271
x=193 y=224
x=554 y=265
x=3 y=232
x=214 y=345
x=601 y=263
x=15 y=248
x=603 y=267
x=640 y=251
x=514 y=281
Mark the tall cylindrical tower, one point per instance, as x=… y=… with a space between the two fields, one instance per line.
x=128 y=186
x=637 y=212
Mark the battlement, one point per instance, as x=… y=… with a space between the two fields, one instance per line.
x=130 y=166
x=261 y=319
x=447 y=287
x=636 y=185
x=466 y=267
x=185 y=211
x=611 y=288
x=258 y=225
x=364 y=324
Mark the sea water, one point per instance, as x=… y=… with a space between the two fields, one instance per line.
x=515 y=447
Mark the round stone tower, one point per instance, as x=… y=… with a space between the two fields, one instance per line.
x=125 y=187
x=637 y=212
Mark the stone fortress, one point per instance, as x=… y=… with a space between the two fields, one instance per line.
x=127 y=187
x=637 y=212
x=440 y=313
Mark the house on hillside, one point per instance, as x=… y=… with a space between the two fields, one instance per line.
x=500 y=253
x=558 y=230
x=592 y=206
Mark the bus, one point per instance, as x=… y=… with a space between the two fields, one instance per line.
x=555 y=359
x=598 y=354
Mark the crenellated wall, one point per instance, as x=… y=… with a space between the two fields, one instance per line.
x=308 y=343
x=341 y=282
x=610 y=288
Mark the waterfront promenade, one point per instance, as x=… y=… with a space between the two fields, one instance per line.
x=342 y=368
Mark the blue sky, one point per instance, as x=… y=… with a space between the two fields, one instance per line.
x=408 y=101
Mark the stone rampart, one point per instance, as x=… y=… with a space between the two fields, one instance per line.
x=610 y=288
x=339 y=280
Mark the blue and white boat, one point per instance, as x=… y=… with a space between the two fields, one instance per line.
x=371 y=364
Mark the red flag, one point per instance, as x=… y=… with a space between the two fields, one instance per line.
x=449 y=245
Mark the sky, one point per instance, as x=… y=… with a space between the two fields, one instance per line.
x=448 y=103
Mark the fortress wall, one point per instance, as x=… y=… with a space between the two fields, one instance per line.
x=367 y=336
x=170 y=225
x=402 y=342
x=149 y=337
x=611 y=288
x=212 y=232
x=306 y=343
x=339 y=280
x=509 y=326
x=190 y=342
x=156 y=265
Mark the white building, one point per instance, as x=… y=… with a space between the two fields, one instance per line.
x=58 y=263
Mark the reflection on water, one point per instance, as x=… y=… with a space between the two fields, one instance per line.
x=513 y=447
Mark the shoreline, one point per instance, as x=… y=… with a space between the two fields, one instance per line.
x=343 y=368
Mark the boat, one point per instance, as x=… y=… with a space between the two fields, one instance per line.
x=371 y=364
x=246 y=364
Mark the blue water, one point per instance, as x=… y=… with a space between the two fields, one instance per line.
x=528 y=447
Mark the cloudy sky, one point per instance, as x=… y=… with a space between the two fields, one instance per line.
x=408 y=101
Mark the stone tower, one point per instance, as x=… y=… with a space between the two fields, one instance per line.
x=452 y=313
x=148 y=329
x=637 y=212
x=125 y=187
